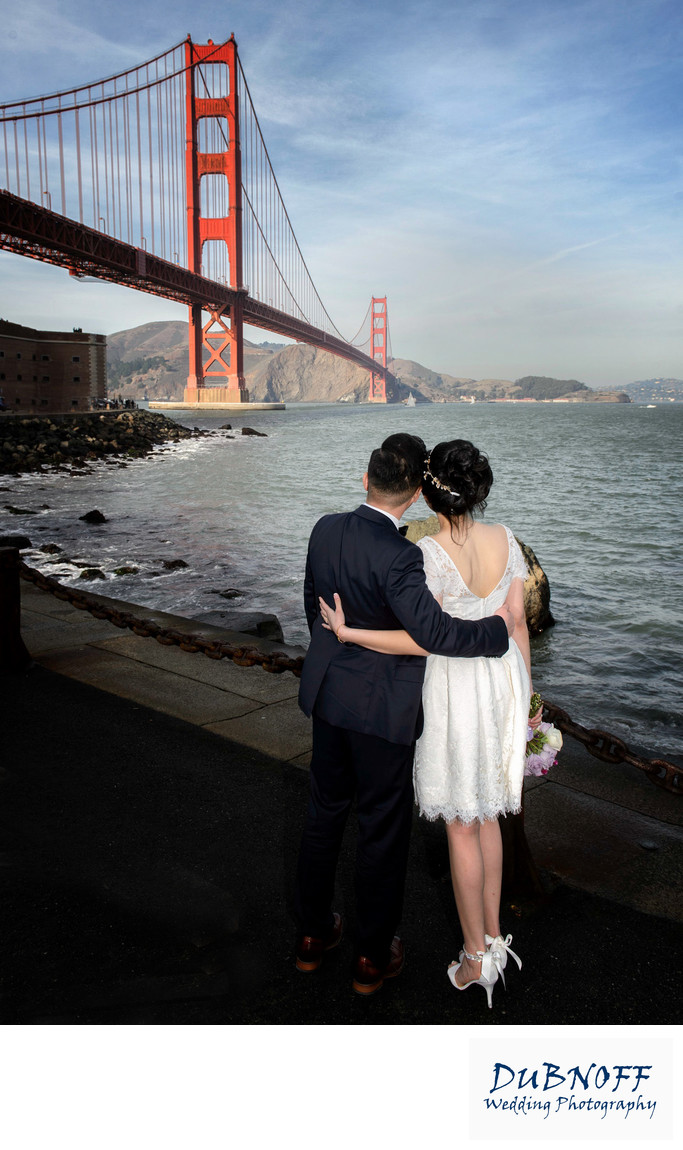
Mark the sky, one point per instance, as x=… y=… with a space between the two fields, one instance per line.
x=507 y=173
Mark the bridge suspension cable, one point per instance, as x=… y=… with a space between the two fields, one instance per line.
x=108 y=154
x=274 y=267
x=365 y=341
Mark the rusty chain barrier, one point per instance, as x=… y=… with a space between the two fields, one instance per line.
x=244 y=656
x=611 y=749
x=604 y=746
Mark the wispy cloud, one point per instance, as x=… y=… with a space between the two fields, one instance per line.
x=556 y=257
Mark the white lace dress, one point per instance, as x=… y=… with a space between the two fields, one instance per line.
x=469 y=760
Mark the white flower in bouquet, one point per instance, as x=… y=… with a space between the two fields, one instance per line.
x=553 y=738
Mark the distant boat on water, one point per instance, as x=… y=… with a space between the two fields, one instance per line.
x=410 y=401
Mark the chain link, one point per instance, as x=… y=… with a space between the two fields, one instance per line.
x=603 y=745
x=611 y=749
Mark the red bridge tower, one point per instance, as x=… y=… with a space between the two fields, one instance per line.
x=224 y=377
x=378 y=348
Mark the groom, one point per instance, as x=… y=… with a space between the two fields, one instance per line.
x=367 y=710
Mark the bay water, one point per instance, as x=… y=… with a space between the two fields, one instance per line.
x=596 y=490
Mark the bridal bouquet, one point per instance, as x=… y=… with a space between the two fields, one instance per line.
x=543 y=743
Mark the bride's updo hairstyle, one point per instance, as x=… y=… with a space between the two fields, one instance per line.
x=457 y=479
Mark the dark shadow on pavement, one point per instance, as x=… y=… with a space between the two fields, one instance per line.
x=147 y=874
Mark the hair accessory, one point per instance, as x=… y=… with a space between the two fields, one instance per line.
x=437 y=482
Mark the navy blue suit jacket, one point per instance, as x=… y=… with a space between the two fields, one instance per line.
x=380 y=578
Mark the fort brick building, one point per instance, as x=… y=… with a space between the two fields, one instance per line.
x=51 y=371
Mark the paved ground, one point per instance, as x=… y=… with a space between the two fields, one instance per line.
x=152 y=806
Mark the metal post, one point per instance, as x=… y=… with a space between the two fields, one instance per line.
x=13 y=654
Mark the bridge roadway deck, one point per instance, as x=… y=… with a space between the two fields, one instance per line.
x=152 y=809
x=37 y=232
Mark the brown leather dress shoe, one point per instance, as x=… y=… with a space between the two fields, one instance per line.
x=368 y=978
x=310 y=950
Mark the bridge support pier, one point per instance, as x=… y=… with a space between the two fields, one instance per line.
x=212 y=378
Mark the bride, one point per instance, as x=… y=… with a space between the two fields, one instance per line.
x=469 y=760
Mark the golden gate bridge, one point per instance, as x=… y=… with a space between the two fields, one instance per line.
x=158 y=178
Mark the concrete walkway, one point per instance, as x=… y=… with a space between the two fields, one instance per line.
x=153 y=805
x=247 y=704
x=603 y=828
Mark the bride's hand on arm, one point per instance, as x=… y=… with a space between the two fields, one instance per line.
x=333 y=617
x=385 y=642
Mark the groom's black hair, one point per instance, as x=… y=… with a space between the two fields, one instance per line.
x=395 y=469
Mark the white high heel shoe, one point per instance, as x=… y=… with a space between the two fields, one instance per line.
x=499 y=949
x=487 y=978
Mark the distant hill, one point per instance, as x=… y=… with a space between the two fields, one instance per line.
x=426 y=384
x=655 y=391
x=151 y=360
x=300 y=373
x=543 y=387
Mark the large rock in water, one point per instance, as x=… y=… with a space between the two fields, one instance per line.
x=536 y=593
x=536 y=586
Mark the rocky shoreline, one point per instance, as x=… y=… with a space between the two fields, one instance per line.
x=72 y=444
x=74 y=441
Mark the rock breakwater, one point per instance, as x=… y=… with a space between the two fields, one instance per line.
x=33 y=443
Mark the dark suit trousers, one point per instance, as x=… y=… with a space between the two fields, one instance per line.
x=380 y=774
